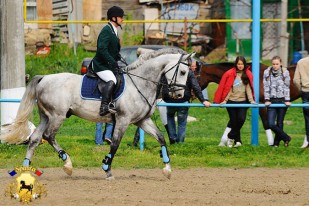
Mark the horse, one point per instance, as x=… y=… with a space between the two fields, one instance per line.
x=24 y=186
x=58 y=97
x=213 y=72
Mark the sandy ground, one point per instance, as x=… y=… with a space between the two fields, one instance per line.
x=258 y=186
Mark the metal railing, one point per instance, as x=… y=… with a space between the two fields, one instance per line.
x=11 y=100
x=142 y=134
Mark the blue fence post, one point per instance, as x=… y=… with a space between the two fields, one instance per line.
x=256 y=68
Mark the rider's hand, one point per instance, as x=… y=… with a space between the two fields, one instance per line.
x=224 y=102
x=267 y=103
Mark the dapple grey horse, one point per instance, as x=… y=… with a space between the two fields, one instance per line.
x=58 y=97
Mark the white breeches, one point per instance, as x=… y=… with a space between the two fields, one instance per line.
x=107 y=75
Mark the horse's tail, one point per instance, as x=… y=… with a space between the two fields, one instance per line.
x=17 y=132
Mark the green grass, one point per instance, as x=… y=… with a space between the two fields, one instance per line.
x=76 y=136
x=61 y=59
x=200 y=149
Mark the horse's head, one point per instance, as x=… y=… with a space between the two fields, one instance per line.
x=176 y=72
x=172 y=62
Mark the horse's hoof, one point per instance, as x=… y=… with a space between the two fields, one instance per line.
x=111 y=178
x=67 y=167
x=167 y=172
x=68 y=170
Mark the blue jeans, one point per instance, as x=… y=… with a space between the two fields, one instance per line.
x=205 y=93
x=182 y=114
x=273 y=114
x=305 y=98
x=99 y=135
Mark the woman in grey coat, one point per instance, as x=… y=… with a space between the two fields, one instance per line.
x=276 y=81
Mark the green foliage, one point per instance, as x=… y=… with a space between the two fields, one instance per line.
x=60 y=59
x=129 y=37
x=76 y=136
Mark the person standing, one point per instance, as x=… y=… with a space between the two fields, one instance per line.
x=195 y=67
x=236 y=87
x=276 y=82
x=103 y=136
x=182 y=112
x=107 y=54
x=301 y=81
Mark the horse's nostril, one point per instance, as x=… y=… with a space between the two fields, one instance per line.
x=179 y=95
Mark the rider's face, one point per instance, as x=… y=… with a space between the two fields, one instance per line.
x=119 y=20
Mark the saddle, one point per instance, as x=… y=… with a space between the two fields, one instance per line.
x=90 y=82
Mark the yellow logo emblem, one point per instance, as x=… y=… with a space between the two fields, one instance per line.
x=25 y=188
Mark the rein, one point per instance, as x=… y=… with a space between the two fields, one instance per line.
x=174 y=78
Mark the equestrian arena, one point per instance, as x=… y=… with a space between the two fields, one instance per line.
x=259 y=186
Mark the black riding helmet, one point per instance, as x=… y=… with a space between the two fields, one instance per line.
x=115 y=11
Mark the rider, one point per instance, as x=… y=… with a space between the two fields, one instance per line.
x=107 y=55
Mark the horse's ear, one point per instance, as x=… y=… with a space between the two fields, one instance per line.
x=188 y=56
x=193 y=54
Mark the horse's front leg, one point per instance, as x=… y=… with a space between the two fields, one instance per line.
x=148 y=126
x=116 y=139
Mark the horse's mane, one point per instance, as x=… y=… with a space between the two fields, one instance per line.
x=149 y=55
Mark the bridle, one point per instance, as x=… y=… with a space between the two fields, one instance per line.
x=171 y=85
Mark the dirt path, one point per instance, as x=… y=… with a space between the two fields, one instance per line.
x=186 y=187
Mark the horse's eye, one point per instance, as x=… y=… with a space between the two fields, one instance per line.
x=182 y=73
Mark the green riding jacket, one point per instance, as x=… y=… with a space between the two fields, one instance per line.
x=108 y=48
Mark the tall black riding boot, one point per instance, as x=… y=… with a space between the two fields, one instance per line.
x=107 y=93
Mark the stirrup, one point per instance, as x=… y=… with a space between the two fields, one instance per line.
x=104 y=110
x=112 y=108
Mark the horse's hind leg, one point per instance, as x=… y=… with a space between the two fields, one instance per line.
x=50 y=134
x=269 y=134
x=223 y=141
x=35 y=140
x=148 y=126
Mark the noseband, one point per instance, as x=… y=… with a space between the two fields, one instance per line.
x=172 y=84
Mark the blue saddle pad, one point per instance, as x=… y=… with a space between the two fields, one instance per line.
x=89 y=89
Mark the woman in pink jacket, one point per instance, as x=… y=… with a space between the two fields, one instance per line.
x=236 y=87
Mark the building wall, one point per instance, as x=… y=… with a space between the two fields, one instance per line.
x=44 y=12
x=92 y=10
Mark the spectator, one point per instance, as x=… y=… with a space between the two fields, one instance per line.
x=195 y=66
x=301 y=80
x=182 y=112
x=276 y=81
x=106 y=135
x=236 y=87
